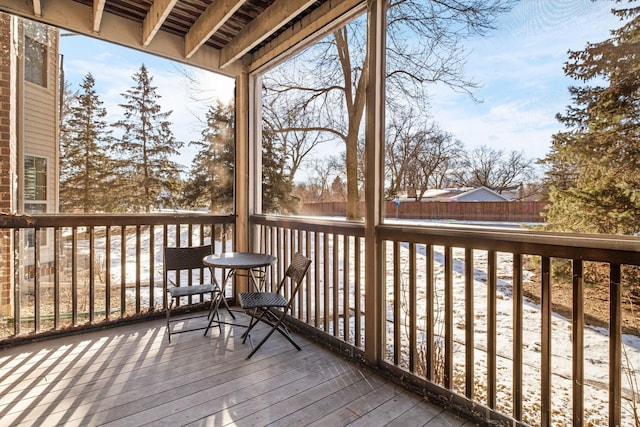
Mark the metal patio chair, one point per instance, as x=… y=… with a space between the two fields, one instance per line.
x=272 y=307
x=188 y=258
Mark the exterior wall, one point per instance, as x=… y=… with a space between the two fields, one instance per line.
x=41 y=121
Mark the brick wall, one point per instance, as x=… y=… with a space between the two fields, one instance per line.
x=7 y=158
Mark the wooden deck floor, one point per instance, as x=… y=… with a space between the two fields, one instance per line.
x=132 y=376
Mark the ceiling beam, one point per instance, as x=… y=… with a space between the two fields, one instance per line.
x=268 y=22
x=98 y=10
x=158 y=13
x=208 y=23
x=320 y=22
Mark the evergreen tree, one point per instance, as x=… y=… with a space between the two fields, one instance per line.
x=212 y=170
x=593 y=181
x=276 y=182
x=84 y=144
x=147 y=175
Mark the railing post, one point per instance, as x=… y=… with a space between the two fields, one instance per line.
x=246 y=187
x=374 y=187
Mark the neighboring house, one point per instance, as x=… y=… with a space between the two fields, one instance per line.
x=479 y=194
x=29 y=90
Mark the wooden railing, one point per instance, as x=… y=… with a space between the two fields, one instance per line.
x=476 y=318
x=499 y=323
x=62 y=271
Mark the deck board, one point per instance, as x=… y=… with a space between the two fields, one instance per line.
x=132 y=376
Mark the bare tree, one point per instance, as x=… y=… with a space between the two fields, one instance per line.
x=485 y=166
x=423 y=45
x=293 y=131
x=325 y=172
x=418 y=154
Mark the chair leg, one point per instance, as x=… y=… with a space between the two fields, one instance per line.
x=274 y=327
x=226 y=304
x=168 y=319
x=214 y=314
x=253 y=322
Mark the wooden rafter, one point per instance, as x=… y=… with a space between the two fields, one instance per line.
x=37 y=8
x=98 y=10
x=208 y=23
x=268 y=22
x=158 y=12
x=313 y=26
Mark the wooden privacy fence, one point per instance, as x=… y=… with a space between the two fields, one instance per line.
x=467 y=211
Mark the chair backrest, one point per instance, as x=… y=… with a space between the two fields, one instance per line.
x=185 y=258
x=296 y=272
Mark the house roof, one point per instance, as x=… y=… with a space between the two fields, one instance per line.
x=480 y=194
x=228 y=36
x=462 y=194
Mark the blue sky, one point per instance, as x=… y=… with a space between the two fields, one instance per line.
x=519 y=66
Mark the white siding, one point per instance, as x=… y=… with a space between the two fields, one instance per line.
x=41 y=122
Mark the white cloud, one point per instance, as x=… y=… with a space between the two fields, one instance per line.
x=520 y=67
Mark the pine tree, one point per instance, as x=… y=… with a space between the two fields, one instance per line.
x=85 y=165
x=148 y=177
x=593 y=180
x=276 y=182
x=212 y=170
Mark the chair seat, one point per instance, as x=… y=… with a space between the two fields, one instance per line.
x=261 y=299
x=181 y=291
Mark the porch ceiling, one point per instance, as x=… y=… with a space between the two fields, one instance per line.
x=227 y=36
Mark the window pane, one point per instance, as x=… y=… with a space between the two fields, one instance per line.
x=35 y=53
x=35 y=178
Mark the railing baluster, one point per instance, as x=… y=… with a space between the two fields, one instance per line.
x=165 y=243
x=316 y=276
x=107 y=278
x=615 y=346
x=517 y=336
x=56 y=278
x=92 y=283
x=577 y=333
x=430 y=316
x=448 y=317
x=17 y=282
x=325 y=250
x=36 y=280
x=345 y=287
x=492 y=294
x=138 y=267
x=308 y=287
x=279 y=252
x=123 y=271
x=152 y=266
x=74 y=276
x=545 y=354
x=357 y=292
x=469 y=313
x=272 y=245
x=397 y=278
x=334 y=286
x=286 y=247
x=413 y=309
